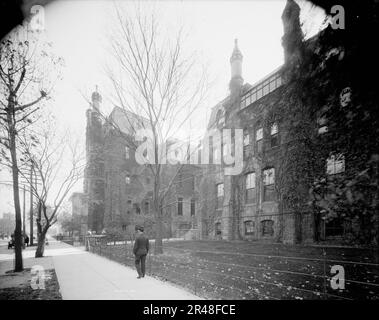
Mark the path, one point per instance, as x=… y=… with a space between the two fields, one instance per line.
x=86 y=276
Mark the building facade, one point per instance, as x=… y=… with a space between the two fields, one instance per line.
x=304 y=172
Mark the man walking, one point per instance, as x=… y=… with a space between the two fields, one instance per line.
x=140 y=250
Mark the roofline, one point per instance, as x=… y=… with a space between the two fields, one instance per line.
x=257 y=83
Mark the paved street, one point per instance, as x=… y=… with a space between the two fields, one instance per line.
x=84 y=275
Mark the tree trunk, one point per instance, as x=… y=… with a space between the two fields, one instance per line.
x=158 y=236
x=16 y=194
x=41 y=245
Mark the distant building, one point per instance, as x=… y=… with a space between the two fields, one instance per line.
x=119 y=191
x=7 y=224
x=78 y=204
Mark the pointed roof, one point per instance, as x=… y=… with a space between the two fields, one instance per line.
x=236 y=55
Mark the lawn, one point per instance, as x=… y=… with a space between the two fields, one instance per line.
x=251 y=270
x=16 y=286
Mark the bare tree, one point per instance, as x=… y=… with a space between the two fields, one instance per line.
x=156 y=81
x=24 y=85
x=58 y=163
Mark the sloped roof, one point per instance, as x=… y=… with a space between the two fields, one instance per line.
x=128 y=122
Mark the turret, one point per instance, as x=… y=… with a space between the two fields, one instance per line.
x=293 y=36
x=96 y=100
x=94 y=171
x=236 y=80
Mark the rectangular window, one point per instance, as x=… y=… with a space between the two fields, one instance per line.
x=137 y=209
x=127 y=153
x=250 y=187
x=220 y=190
x=266 y=89
x=220 y=195
x=335 y=164
x=246 y=138
x=147 y=207
x=193 y=208
x=249 y=227
x=269 y=184
x=259 y=139
x=267 y=228
x=180 y=206
x=218 y=228
x=274 y=135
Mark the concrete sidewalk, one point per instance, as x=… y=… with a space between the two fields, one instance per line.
x=86 y=276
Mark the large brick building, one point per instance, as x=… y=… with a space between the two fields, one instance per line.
x=270 y=199
x=297 y=134
x=120 y=190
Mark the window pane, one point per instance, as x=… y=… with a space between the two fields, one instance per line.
x=269 y=193
x=218 y=228
x=335 y=164
x=126 y=152
x=220 y=190
x=274 y=140
x=249 y=227
x=259 y=134
x=274 y=128
x=250 y=196
x=278 y=82
x=267 y=227
x=259 y=94
x=246 y=138
x=268 y=176
x=272 y=86
x=266 y=90
x=180 y=206
x=250 y=180
x=259 y=146
x=193 y=207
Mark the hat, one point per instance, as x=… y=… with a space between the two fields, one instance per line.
x=140 y=228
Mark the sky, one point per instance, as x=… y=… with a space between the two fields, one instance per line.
x=79 y=31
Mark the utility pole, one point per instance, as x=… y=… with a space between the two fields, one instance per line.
x=31 y=205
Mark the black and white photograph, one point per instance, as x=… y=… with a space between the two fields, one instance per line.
x=188 y=155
